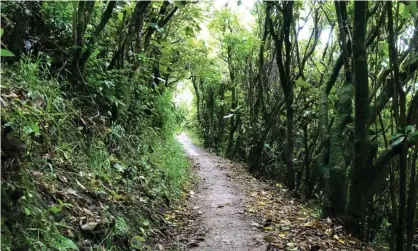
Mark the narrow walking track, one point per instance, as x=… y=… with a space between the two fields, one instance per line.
x=233 y=211
x=223 y=226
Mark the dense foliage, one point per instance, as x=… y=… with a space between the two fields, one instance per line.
x=321 y=96
x=88 y=154
x=333 y=117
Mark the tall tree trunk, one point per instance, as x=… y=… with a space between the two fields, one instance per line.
x=209 y=114
x=232 y=126
x=254 y=156
x=336 y=166
x=197 y=93
x=399 y=105
x=233 y=103
x=290 y=175
x=283 y=63
x=362 y=161
x=221 y=120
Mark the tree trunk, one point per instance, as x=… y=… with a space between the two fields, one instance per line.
x=399 y=106
x=221 y=120
x=412 y=202
x=232 y=127
x=290 y=172
x=196 y=90
x=336 y=166
x=283 y=63
x=362 y=167
x=104 y=20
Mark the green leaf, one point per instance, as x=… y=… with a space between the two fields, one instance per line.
x=120 y=16
x=154 y=25
x=414 y=136
x=397 y=141
x=301 y=83
x=137 y=242
x=35 y=128
x=410 y=128
x=65 y=243
x=119 y=167
x=414 y=6
x=1 y=32
x=95 y=53
x=397 y=135
x=55 y=209
x=6 y=53
x=27 y=211
x=145 y=223
x=410 y=9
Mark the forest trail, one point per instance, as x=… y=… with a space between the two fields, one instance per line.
x=220 y=202
x=232 y=210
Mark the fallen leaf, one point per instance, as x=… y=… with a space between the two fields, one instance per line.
x=62 y=179
x=78 y=183
x=89 y=226
x=87 y=211
x=338 y=239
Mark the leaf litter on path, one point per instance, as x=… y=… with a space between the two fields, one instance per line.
x=288 y=224
x=267 y=209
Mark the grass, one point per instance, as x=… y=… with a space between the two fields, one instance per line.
x=194 y=136
x=76 y=159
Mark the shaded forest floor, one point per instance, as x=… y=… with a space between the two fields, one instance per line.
x=231 y=210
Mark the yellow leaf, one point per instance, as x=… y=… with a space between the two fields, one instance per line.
x=308 y=224
x=338 y=239
x=261 y=203
x=269 y=228
x=282 y=236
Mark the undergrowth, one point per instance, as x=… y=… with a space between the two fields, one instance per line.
x=79 y=179
x=194 y=136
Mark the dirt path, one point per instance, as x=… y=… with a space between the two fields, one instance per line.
x=233 y=211
x=220 y=202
